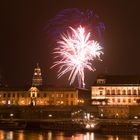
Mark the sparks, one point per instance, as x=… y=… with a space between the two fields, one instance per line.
x=75 y=52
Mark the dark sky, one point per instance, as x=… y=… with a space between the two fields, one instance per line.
x=23 y=42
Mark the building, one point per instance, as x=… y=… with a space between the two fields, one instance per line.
x=116 y=90
x=37 y=76
x=37 y=94
x=41 y=96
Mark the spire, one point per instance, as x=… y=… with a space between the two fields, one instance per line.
x=37 y=78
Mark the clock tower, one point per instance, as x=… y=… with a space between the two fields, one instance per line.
x=37 y=77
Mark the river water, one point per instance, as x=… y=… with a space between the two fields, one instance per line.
x=51 y=135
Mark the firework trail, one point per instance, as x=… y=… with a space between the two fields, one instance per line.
x=75 y=53
x=74 y=17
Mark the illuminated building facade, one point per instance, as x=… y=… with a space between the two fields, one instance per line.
x=116 y=90
x=40 y=96
x=37 y=94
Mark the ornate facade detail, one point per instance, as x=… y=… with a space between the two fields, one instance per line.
x=116 y=90
x=37 y=77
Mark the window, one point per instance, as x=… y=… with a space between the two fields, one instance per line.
x=13 y=94
x=101 y=81
x=119 y=100
x=71 y=102
x=113 y=100
x=124 y=92
x=71 y=95
x=4 y=95
x=17 y=94
x=113 y=92
x=33 y=95
x=38 y=95
x=118 y=92
x=67 y=102
x=67 y=95
x=107 y=92
x=44 y=94
x=8 y=94
x=101 y=92
x=134 y=92
x=129 y=92
x=124 y=100
x=129 y=100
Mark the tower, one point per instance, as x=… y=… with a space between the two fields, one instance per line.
x=37 y=78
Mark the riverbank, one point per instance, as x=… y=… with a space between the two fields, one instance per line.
x=106 y=126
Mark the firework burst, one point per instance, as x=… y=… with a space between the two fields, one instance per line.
x=75 y=53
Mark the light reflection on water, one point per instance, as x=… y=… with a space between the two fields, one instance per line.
x=50 y=135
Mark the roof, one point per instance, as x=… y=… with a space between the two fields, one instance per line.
x=41 y=88
x=119 y=79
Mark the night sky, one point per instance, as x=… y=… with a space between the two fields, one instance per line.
x=23 y=41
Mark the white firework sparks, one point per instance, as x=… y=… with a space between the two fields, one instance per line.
x=75 y=52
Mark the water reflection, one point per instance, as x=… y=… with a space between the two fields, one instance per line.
x=49 y=135
x=21 y=135
x=135 y=137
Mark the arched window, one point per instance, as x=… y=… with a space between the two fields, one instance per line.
x=129 y=92
x=129 y=100
x=107 y=92
x=134 y=92
x=118 y=92
x=119 y=100
x=124 y=92
x=113 y=92
x=124 y=100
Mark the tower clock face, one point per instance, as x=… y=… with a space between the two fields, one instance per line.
x=37 y=78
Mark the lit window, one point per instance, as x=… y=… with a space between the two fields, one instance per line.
x=134 y=92
x=124 y=100
x=67 y=95
x=113 y=100
x=35 y=73
x=119 y=100
x=71 y=95
x=107 y=92
x=118 y=92
x=113 y=92
x=101 y=92
x=71 y=102
x=129 y=92
x=9 y=102
x=101 y=81
x=124 y=92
